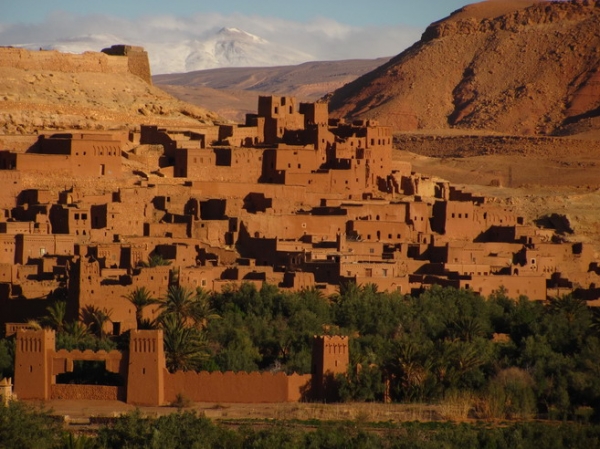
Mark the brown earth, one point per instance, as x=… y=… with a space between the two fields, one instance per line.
x=517 y=67
x=77 y=413
x=52 y=100
x=537 y=176
x=233 y=92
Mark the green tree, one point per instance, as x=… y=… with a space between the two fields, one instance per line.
x=96 y=319
x=141 y=298
x=23 y=426
x=185 y=347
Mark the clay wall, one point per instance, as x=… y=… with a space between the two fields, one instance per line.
x=89 y=288
x=7 y=272
x=86 y=392
x=123 y=219
x=137 y=60
x=298 y=280
x=296 y=160
x=240 y=136
x=295 y=226
x=34 y=246
x=367 y=270
x=202 y=277
x=397 y=284
x=534 y=286
x=384 y=231
x=70 y=220
x=7 y=249
x=23 y=227
x=33 y=371
x=180 y=254
x=10 y=181
x=315 y=113
x=213 y=232
x=239 y=387
x=376 y=211
x=468 y=269
x=330 y=356
x=237 y=164
x=62 y=62
x=418 y=215
x=174 y=230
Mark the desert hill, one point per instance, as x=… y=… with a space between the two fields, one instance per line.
x=233 y=92
x=49 y=90
x=515 y=67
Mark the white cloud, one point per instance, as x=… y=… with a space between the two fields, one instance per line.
x=170 y=40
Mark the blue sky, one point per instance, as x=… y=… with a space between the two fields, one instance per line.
x=351 y=12
x=176 y=32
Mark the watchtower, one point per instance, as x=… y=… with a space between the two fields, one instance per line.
x=145 y=378
x=32 y=363
x=330 y=356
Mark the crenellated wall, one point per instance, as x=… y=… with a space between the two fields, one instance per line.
x=239 y=387
x=147 y=381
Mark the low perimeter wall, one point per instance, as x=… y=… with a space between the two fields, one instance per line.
x=89 y=392
x=235 y=387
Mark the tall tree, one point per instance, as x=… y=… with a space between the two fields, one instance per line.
x=141 y=298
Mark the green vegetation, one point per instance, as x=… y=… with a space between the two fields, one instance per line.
x=25 y=427
x=497 y=357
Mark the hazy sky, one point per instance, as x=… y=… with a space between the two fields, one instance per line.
x=320 y=29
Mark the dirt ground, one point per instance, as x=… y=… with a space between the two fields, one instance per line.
x=78 y=413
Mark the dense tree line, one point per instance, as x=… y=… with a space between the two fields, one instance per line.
x=508 y=357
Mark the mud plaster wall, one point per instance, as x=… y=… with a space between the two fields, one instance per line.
x=87 y=392
x=234 y=387
x=62 y=62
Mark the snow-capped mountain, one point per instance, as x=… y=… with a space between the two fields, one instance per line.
x=228 y=47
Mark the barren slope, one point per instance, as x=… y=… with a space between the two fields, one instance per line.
x=518 y=67
x=233 y=92
x=50 y=100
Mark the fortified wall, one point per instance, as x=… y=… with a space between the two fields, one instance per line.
x=146 y=381
x=118 y=59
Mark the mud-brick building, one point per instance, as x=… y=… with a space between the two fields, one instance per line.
x=82 y=154
x=146 y=381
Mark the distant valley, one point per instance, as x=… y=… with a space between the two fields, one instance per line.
x=233 y=92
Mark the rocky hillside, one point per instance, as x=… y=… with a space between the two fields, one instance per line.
x=510 y=66
x=48 y=93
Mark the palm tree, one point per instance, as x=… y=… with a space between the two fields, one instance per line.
x=203 y=313
x=96 y=318
x=77 y=333
x=570 y=307
x=188 y=307
x=184 y=346
x=178 y=303
x=141 y=298
x=155 y=260
x=56 y=317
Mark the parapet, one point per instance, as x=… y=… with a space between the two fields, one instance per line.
x=137 y=59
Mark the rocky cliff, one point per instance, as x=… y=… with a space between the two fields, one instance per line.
x=515 y=66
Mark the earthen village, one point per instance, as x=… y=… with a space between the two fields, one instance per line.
x=291 y=198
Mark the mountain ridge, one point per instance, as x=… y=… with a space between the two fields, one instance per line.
x=532 y=70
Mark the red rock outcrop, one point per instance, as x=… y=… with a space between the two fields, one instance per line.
x=522 y=67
